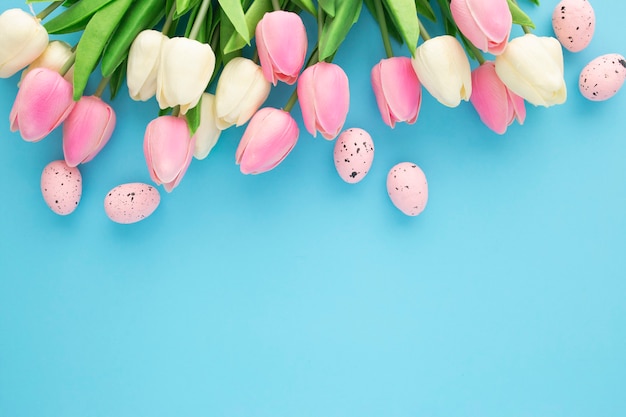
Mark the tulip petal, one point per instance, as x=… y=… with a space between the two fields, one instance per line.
x=306 y=98
x=332 y=99
x=22 y=40
x=401 y=88
x=167 y=144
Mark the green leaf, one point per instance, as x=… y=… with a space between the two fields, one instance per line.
x=183 y=6
x=92 y=42
x=404 y=15
x=448 y=21
x=336 y=28
x=76 y=17
x=425 y=9
x=306 y=5
x=141 y=15
x=117 y=80
x=193 y=117
x=253 y=17
x=234 y=11
x=519 y=17
x=329 y=7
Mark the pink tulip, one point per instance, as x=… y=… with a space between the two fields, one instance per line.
x=324 y=97
x=168 y=148
x=496 y=105
x=268 y=139
x=398 y=91
x=43 y=102
x=87 y=129
x=486 y=23
x=281 y=41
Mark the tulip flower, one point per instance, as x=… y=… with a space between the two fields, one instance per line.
x=486 y=23
x=496 y=105
x=53 y=57
x=398 y=91
x=87 y=129
x=207 y=133
x=143 y=64
x=268 y=139
x=22 y=40
x=42 y=103
x=324 y=96
x=532 y=67
x=168 y=148
x=185 y=69
x=444 y=70
x=282 y=56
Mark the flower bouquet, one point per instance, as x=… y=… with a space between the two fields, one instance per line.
x=210 y=65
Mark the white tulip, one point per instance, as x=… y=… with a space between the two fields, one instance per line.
x=532 y=67
x=207 y=133
x=444 y=70
x=22 y=40
x=241 y=90
x=185 y=69
x=54 y=57
x=143 y=64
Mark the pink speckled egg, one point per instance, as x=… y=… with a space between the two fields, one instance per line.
x=354 y=154
x=602 y=78
x=408 y=188
x=61 y=187
x=130 y=203
x=574 y=22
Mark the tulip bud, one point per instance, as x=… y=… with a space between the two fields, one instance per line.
x=87 y=129
x=398 y=91
x=268 y=139
x=143 y=64
x=324 y=95
x=43 y=102
x=185 y=69
x=496 y=105
x=241 y=90
x=207 y=133
x=486 y=23
x=532 y=67
x=22 y=40
x=444 y=70
x=53 y=57
x=168 y=148
x=282 y=56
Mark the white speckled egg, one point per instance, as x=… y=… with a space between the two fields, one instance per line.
x=574 y=22
x=61 y=187
x=354 y=154
x=132 y=202
x=407 y=187
x=602 y=78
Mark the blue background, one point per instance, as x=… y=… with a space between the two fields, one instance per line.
x=294 y=294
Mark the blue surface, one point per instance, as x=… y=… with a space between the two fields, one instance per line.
x=295 y=294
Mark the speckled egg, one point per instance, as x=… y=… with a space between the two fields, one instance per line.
x=408 y=188
x=354 y=154
x=574 y=22
x=132 y=202
x=602 y=78
x=61 y=187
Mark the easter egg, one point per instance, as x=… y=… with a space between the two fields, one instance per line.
x=574 y=22
x=407 y=188
x=132 y=202
x=602 y=78
x=61 y=187
x=353 y=154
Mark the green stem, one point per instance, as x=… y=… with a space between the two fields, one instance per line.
x=276 y=5
x=103 y=84
x=176 y=111
x=68 y=64
x=45 y=12
x=168 y=21
x=423 y=32
x=255 y=56
x=320 y=23
x=292 y=101
x=380 y=14
x=527 y=29
x=195 y=29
